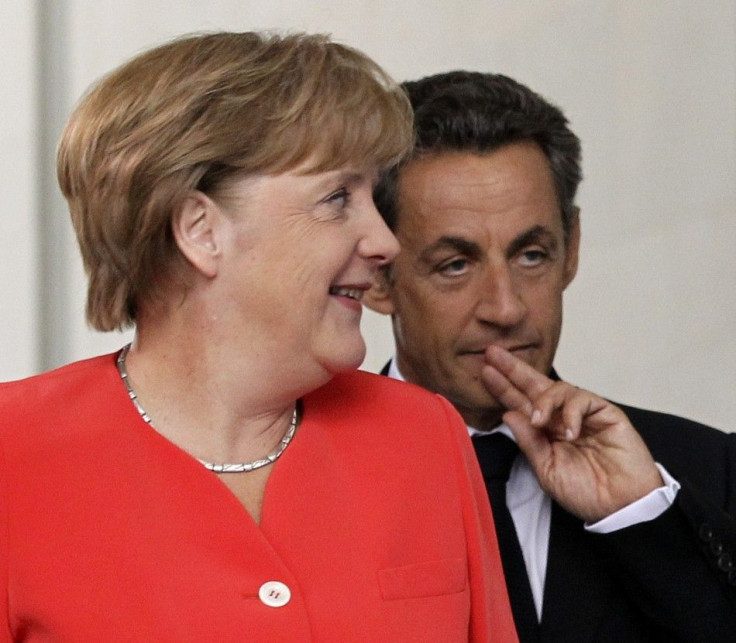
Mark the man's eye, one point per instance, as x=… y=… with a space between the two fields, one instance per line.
x=531 y=258
x=454 y=267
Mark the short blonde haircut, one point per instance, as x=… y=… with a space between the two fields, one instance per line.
x=196 y=112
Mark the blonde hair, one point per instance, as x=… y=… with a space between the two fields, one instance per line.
x=194 y=113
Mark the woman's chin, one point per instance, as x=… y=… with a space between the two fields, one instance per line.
x=345 y=357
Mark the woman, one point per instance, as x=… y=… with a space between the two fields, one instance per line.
x=229 y=476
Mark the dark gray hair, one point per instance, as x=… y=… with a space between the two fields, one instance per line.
x=476 y=112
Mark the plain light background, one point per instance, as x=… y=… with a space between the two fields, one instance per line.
x=649 y=86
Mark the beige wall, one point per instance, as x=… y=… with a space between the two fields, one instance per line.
x=18 y=211
x=649 y=86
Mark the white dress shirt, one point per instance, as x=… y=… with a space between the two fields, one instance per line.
x=531 y=510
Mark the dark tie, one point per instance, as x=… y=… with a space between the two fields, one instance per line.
x=496 y=454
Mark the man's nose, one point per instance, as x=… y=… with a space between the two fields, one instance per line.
x=499 y=300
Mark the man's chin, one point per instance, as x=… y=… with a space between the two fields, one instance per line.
x=481 y=411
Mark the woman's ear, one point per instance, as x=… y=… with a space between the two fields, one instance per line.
x=196 y=226
x=378 y=298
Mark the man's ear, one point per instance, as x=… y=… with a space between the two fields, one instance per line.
x=196 y=226
x=378 y=298
x=572 y=248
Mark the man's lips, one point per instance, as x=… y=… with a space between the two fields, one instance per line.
x=513 y=348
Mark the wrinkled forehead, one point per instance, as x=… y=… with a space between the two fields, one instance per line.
x=509 y=188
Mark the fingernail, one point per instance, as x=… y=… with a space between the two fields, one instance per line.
x=536 y=416
x=568 y=434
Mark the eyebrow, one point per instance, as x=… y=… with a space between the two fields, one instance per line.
x=537 y=234
x=458 y=244
x=352 y=177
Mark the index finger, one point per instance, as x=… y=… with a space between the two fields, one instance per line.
x=525 y=378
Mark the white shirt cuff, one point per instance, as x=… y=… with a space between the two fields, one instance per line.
x=651 y=506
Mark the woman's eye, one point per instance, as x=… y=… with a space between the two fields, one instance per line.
x=339 y=197
x=454 y=267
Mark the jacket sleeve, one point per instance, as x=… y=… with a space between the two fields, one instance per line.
x=682 y=565
x=490 y=617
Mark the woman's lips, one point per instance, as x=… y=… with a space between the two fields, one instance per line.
x=349 y=296
x=352 y=292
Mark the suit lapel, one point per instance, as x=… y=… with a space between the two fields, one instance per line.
x=577 y=584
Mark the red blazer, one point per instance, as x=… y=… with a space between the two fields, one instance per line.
x=375 y=518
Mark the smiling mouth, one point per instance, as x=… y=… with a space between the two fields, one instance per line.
x=351 y=293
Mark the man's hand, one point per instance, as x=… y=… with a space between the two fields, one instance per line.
x=583 y=449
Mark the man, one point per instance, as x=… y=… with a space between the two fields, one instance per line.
x=627 y=534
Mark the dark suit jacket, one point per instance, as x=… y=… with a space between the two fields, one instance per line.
x=669 y=579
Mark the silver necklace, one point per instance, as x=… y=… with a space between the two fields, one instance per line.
x=238 y=467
